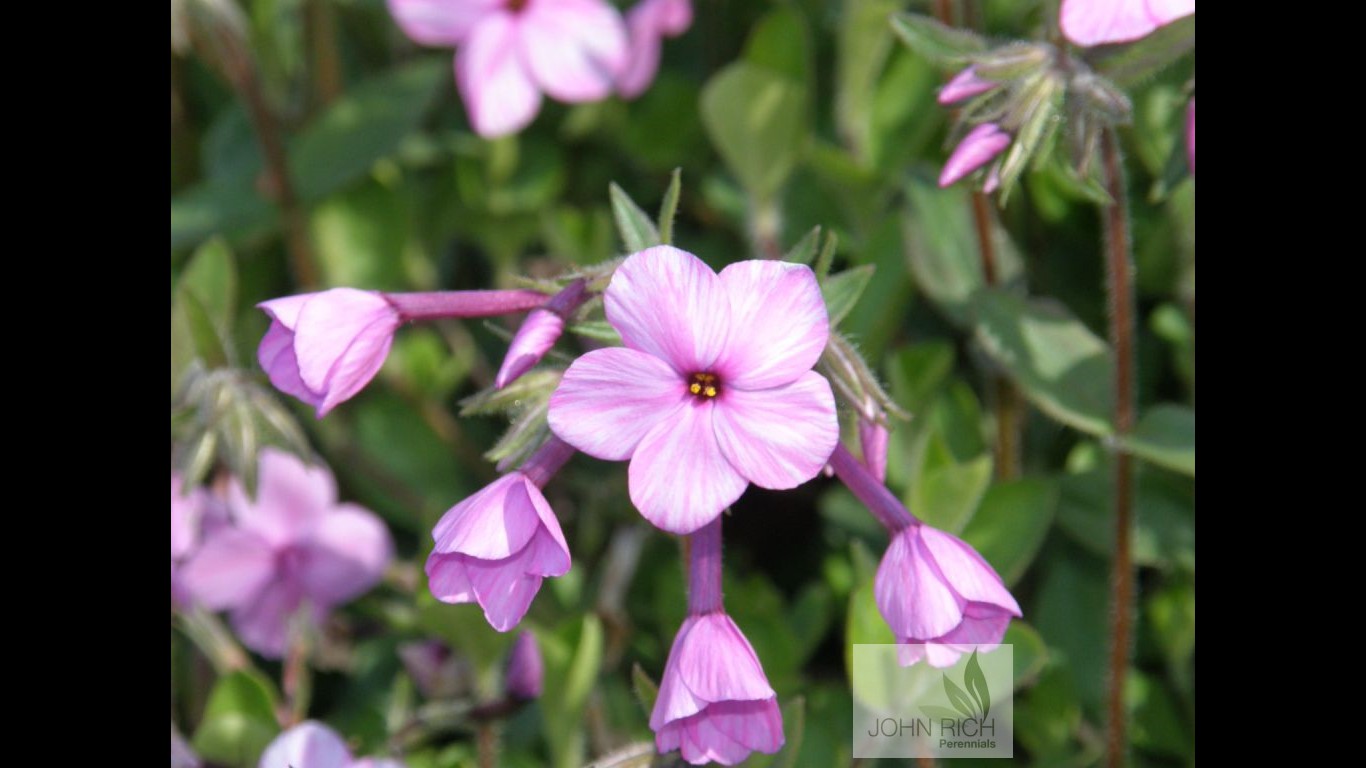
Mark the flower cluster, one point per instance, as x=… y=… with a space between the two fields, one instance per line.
x=292 y=551
x=512 y=51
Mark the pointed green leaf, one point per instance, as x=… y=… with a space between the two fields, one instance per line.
x=636 y=230
x=668 y=208
x=941 y=44
x=805 y=249
x=976 y=682
x=1059 y=364
x=239 y=720
x=779 y=43
x=842 y=291
x=1011 y=523
x=645 y=689
x=756 y=119
x=827 y=255
x=208 y=346
x=1132 y=63
x=1165 y=435
x=1030 y=652
x=211 y=276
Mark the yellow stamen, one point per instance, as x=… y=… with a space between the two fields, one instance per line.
x=710 y=391
x=695 y=388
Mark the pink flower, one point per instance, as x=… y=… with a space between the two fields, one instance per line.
x=294 y=546
x=714 y=701
x=934 y=589
x=325 y=347
x=713 y=389
x=311 y=744
x=496 y=547
x=650 y=21
x=192 y=514
x=982 y=143
x=539 y=332
x=1190 y=135
x=964 y=86
x=513 y=50
x=1096 y=22
x=526 y=670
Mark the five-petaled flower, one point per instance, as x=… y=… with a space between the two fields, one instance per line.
x=713 y=389
x=292 y=547
x=935 y=590
x=513 y=50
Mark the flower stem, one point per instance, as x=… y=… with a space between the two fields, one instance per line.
x=547 y=460
x=704 y=569
x=874 y=495
x=438 y=305
x=1118 y=274
x=325 y=62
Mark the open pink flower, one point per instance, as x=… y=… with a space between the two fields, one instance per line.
x=513 y=50
x=714 y=700
x=1096 y=22
x=713 y=389
x=648 y=23
x=325 y=347
x=497 y=546
x=934 y=589
x=311 y=744
x=293 y=546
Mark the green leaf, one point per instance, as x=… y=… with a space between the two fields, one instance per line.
x=367 y=123
x=1165 y=435
x=951 y=466
x=645 y=689
x=805 y=249
x=864 y=623
x=668 y=208
x=229 y=207
x=1133 y=63
x=864 y=41
x=935 y=41
x=359 y=236
x=1011 y=523
x=756 y=118
x=211 y=276
x=208 y=345
x=827 y=255
x=779 y=43
x=1057 y=362
x=573 y=659
x=842 y=291
x=942 y=246
x=958 y=698
x=636 y=229
x=1030 y=652
x=531 y=386
x=976 y=682
x=239 y=720
x=917 y=372
x=599 y=330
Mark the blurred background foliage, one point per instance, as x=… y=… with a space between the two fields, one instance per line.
x=784 y=117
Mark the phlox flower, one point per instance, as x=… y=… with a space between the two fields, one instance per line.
x=511 y=51
x=648 y=23
x=1096 y=22
x=713 y=389
x=311 y=744
x=292 y=546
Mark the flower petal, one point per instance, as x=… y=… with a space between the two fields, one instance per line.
x=704 y=743
x=340 y=340
x=674 y=701
x=439 y=22
x=503 y=588
x=910 y=595
x=1096 y=22
x=498 y=92
x=493 y=524
x=447 y=578
x=643 y=62
x=229 y=570
x=670 y=304
x=941 y=656
x=778 y=438
x=573 y=48
x=679 y=479
x=277 y=359
x=309 y=744
x=347 y=554
x=263 y=624
x=610 y=398
x=982 y=629
x=780 y=320
x=756 y=725
x=291 y=497
x=717 y=663
x=965 y=570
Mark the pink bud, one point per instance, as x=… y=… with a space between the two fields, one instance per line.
x=975 y=150
x=873 y=439
x=526 y=671
x=535 y=338
x=964 y=86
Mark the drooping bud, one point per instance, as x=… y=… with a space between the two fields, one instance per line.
x=982 y=143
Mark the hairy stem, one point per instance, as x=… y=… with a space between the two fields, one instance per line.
x=1120 y=292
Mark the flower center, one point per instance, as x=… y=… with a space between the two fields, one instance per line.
x=516 y=6
x=704 y=386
